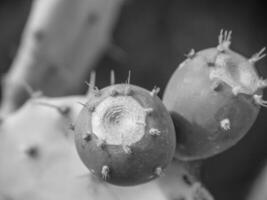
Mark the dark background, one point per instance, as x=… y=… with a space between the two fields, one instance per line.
x=154 y=36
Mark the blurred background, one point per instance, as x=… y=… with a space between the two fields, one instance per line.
x=150 y=38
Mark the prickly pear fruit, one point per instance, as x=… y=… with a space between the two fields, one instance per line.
x=214 y=98
x=125 y=135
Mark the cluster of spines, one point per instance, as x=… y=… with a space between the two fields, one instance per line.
x=224 y=42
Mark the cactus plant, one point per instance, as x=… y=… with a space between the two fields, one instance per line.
x=39 y=161
x=125 y=135
x=218 y=88
x=214 y=98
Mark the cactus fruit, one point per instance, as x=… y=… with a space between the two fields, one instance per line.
x=124 y=134
x=214 y=98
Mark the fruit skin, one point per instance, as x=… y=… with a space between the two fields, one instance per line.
x=212 y=98
x=138 y=162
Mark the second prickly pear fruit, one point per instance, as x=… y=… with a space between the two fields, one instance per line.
x=214 y=98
